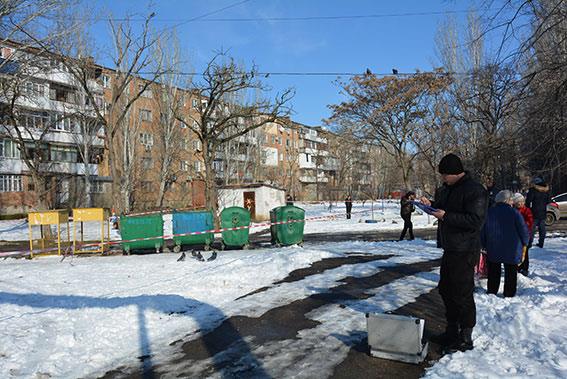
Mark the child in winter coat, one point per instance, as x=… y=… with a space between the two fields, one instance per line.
x=520 y=205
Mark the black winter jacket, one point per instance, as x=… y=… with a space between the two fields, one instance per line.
x=406 y=207
x=465 y=204
x=537 y=199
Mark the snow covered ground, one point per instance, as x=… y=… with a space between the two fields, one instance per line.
x=385 y=212
x=83 y=316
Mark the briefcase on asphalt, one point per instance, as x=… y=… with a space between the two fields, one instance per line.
x=396 y=337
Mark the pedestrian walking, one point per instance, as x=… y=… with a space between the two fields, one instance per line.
x=348 y=205
x=461 y=208
x=406 y=209
x=491 y=189
x=520 y=205
x=504 y=236
x=537 y=199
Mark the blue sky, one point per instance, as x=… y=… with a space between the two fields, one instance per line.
x=353 y=45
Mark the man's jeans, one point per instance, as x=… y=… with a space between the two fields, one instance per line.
x=540 y=225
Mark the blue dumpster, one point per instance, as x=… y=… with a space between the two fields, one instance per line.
x=193 y=221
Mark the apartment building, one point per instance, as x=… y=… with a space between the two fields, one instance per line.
x=45 y=124
x=63 y=143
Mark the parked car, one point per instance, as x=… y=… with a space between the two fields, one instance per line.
x=561 y=201
x=552 y=214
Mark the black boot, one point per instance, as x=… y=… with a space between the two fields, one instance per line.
x=449 y=337
x=463 y=343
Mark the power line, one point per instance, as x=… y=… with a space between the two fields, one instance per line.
x=283 y=19
x=268 y=74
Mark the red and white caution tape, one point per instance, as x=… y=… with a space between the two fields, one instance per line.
x=171 y=236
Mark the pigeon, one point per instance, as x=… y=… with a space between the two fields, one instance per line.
x=213 y=256
x=181 y=258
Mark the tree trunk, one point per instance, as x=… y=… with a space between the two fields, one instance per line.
x=210 y=185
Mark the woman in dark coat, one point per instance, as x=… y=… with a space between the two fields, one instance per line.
x=504 y=236
x=406 y=210
x=348 y=205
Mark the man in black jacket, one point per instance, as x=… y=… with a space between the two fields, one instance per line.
x=406 y=209
x=462 y=205
x=537 y=199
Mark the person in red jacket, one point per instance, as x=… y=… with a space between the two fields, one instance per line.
x=520 y=205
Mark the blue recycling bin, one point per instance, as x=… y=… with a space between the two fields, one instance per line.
x=193 y=221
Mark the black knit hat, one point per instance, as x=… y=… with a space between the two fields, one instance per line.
x=451 y=164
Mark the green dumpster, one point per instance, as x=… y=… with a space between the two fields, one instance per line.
x=146 y=226
x=189 y=222
x=234 y=217
x=288 y=233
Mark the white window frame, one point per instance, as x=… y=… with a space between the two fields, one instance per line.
x=147 y=139
x=147 y=93
x=106 y=80
x=9 y=149
x=196 y=145
x=145 y=115
x=11 y=183
x=184 y=166
x=197 y=166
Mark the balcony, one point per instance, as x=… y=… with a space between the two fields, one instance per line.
x=70 y=168
x=313 y=179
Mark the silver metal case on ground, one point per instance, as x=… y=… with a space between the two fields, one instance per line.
x=396 y=337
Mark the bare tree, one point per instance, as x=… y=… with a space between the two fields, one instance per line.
x=170 y=98
x=217 y=120
x=385 y=111
x=135 y=69
x=24 y=96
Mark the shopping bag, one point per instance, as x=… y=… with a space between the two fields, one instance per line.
x=481 y=269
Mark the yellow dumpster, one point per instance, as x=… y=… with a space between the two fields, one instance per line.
x=82 y=215
x=52 y=217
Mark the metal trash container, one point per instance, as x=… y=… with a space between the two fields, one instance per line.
x=287 y=233
x=146 y=226
x=192 y=221
x=234 y=217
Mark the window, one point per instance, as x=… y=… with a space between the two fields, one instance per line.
x=287 y=142
x=97 y=187
x=185 y=145
x=32 y=89
x=145 y=92
x=273 y=139
x=307 y=157
x=194 y=103
x=196 y=145
x=63 y=154
x=34 y=120
x=279 y=140
x=62 y=93
x=182 y=125
x=218 y=166
x=184 y=166
x=60 y=122
x=197 y=166
x=10 y=183
x=106 y=81
x=147 y=163
x=145 y=115
x=9 y=149
x=147 y=139
x=281 y=156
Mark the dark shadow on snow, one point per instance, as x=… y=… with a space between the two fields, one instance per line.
x=205 y=315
